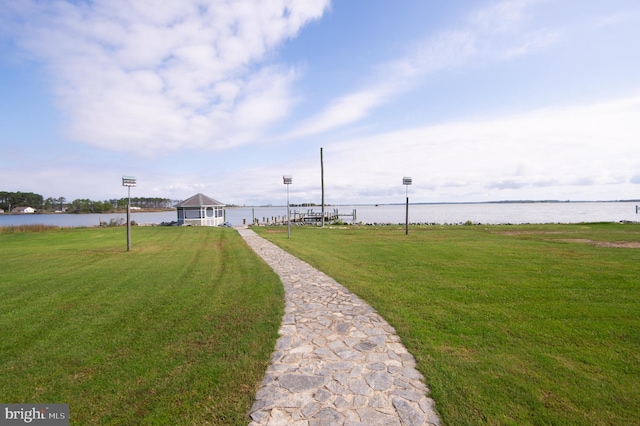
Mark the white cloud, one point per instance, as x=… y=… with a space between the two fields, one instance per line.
x=146 y=76
x=491 y=34
x=345 y=110
x=585 y=144
x=502 y=17
x=582 y=152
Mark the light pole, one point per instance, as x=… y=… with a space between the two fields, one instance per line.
x=128 y=181
x=287 y=180
x=406 y=181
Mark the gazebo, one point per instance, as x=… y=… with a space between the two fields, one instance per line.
x=200 y=210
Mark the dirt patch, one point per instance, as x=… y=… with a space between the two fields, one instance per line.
x=614 y=244
x=526 y=232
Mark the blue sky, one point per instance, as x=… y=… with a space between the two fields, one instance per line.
x=475 y=100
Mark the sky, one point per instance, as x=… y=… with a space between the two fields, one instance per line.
x=475 y=100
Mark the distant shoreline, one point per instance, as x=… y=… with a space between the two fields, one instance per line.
x=310 y=206
x=121 y=211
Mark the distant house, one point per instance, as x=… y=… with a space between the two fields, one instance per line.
x=200 y=210
x=24 y=210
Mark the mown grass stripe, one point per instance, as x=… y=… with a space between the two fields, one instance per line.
x=509 y=324
x=177 y=331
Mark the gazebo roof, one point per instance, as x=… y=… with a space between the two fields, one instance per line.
x=199 y=200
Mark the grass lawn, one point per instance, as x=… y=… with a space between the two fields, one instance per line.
x=178 y=331
x=511 y=325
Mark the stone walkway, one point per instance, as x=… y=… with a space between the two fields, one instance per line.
x=337 y=362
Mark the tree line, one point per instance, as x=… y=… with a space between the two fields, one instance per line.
x=11 y=200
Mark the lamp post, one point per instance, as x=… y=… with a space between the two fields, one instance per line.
x=406 y=181
x=128 y=181
x=287 y=180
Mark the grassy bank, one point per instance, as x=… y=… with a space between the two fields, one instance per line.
x=177 y=331
x=509 y=324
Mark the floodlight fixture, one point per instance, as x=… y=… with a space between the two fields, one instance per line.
x=128 y=181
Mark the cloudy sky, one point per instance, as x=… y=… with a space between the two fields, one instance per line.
x=475 y=100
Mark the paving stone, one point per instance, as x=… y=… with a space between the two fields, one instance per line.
x=306 y=349
x=310 y=409
x=271 y=395
x=340 y=403
x=366 y=346
x=299 y=383
x=378 y=357
x=350 y=355
x=329 y=414
x=287 y=329
x=337 y=345
x=323 y=351
x=322 y=396
x=428 y=407
x=344 y=365
x=341 y=377
x=342 y=328
x=336 y=388
x=351 y=417
x=288 y=319
x=408 y=415
x=284 y=342
x=327 y=372
x=292 y=358
x=357 y=370
x=319 y=341
x=378 y=400
x=377 y=366
x=259 y=416
x=379 y=381
x=359 y=387
x=370 y=416
x=360 y=401
x=411 y=395
x=336 y=362
x=278 y=418
x=380 y=341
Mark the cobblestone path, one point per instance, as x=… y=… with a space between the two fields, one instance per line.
x=337 y=362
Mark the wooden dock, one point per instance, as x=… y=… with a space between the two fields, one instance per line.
x=307 y=217
x=313 y=217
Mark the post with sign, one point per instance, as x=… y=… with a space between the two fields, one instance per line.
x=406 y=181
x=128 y=181
x=287 y=180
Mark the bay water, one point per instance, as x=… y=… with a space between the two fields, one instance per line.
x=484 y=213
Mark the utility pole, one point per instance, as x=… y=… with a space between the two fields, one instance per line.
x=322 y=182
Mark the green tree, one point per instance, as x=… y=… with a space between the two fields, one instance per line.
x=49 y=204
x=11 y=200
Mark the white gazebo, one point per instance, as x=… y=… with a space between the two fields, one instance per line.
x=200 y=210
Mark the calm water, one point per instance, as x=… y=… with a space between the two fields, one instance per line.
x=490 y=213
